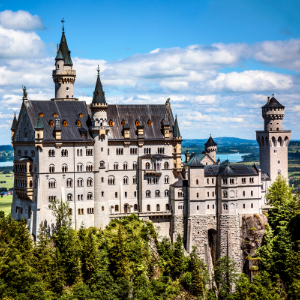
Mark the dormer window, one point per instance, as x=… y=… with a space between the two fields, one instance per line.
x=149 y=123
x=41 y=114
x=78 y=123
x=54 y=115
x=111 y=123
x=51 y=123
x=162 y=121
x=65 y=124
x=123 y=122
x=80 y=115
x=137 y=123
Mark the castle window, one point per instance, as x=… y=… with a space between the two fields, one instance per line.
x=51 y=199
x=89 y=152
x=207 y=194
x=54 y=115
x=70 y=212
x=161 y=150
x=167 y=207
x=157 y=207
x=41 y=114
x=134 y=194
x=125 y=194
x=123 y=122
x=51 y=123
x=78 y=123
x=111 y=180
x=212 y=181
x=134 y=166
x=102 y=164
x=207 y=206
x=244 y=193
x=119 y=151
x=111 y=123
x=137 y=123
x=251 y=205
x=116 y=194
x=180 y=206
x=51 y=153
x=243 y=180
x=80 y=211
x=102 y=194
x=180 y=193
x=80 y=115
x=80 y=182
x=149 y=123
x=224 y=180
x=135 y=207
x=134 y=180
x=213 y=194
x=277 y=129
x=89 y=167
x=225 y=194
x=89 y=182
x=125 y=180
x=32 y=153
x=133 y=151
x=64 y=168
x=116 y=207
x=67 y=88
x=225 y=206
x=198 y=209
x=157 y=193
x=197 y=195
x=89 y=196
x=52 y=183
x=197 y=181
x=279 y=162
x=275 y=151
x=148 y=208
x=116 y=166
x=231 y=181
x=64 y=153
x=65 y=124
x=166 y=165
x=207 y=180
x=251 y=193
x=69 y=182
x=166 y=193
x=251 y=180
x=167 y=179
x=79 y=152
x=244 y=205
x=79 y=167
x=147 y=166
x=125 y=165
x=148 y=194
x=213 y=206
x=69 y=197
x=51 y=169
x=147 y=150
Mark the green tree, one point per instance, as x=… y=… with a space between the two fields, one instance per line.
x=197 y=285
x=179 y=260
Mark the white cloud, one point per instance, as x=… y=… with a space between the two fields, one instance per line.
x=174 y=85
x=20 y=20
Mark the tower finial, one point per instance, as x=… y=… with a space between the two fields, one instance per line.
x=63 y=25
x=98 y=70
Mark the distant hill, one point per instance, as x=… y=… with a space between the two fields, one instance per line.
x=221 y=141
x=6 y=147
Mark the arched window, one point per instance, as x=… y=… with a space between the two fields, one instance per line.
x=65 y=124
x=197 y=195
x=51 y=168
x=147 y=166
x=64 y=153
x=134 y=180
x=69 y=182
x=111 y=180
x=51 y=123
x=116 y=166
x=89 y=167
x=167 y=206
x=89 y=182
x=225 y=194
x=278 y=172
x=125 y=166
x=157 y=207
x=134 y=166
x=116 y=207
x=125 y=180
x=149 y=123
x=52 y=183
x=197 y=181
x=180 y=193
x=166 y=179
x=166 y=193
x=137 y=123
x=64 y=168
x=135 y=207
x=111 y=123
x=157 y=193
x=225 y=206
x=79 y=167
x=81 y=115
x=166 y=165
x=89 y=196
x=102 y=164
x=274 y=143
x=78 y=123
x=69 y=197
x=80 y=182
x=148 y=207
x=51 y=153
x=148 y=194
x=280 y=141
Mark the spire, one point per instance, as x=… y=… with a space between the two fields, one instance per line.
x=63 y=47
x=176 y=132
x=210 y=142
x=39 y=123
x=59 y=55
x=99 y=95
x=14 y=123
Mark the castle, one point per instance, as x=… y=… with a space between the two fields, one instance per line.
x=108 y=161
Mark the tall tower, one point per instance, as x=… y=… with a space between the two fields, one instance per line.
x=273 y=141
x=99 y=131
x=211 y=148
x=63 y=75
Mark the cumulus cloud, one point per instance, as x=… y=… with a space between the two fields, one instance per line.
x=20 y=20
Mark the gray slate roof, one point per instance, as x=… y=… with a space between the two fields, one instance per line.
x=210 y=142
x=176 y=132
x=66 y=110
x=229 y=170
x=195 y=160
x=273 y=103
x=143 y=113
x=99 y=96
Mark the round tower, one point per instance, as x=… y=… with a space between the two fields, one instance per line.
x=211 y=148
x=63 y=75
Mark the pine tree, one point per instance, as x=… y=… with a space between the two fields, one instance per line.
x=197 y=286
x=178 y=258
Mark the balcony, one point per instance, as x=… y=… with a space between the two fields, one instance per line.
x=25 y=193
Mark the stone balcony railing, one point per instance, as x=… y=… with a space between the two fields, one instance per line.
x=65 y=72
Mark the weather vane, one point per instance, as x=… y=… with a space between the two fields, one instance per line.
x=63 y=21
x=98 y=70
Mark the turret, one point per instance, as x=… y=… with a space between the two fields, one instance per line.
x=13 y=127
x=273 y=113
x=39 y=132
x=63 y=75
x=211 y=148
x=177 y=139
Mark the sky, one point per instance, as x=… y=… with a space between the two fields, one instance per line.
x=216 y=60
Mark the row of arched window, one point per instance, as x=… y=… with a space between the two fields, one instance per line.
x=64 y=152
x=135 y=207
x=264 y=141
x=156 y=166
x=125 y=165
x=157 y=193
x=64 y=169
x=23 y=183
x=112 y=181
x=80 y=182
x=89 y=196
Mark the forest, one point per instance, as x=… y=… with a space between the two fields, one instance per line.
x=126 y=260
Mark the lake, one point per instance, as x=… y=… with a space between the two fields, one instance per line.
x=6 y=164
x=234 y=157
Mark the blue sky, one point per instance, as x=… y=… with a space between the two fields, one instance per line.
x=216 y=60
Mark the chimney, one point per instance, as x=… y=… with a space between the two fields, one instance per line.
x=268 y=99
